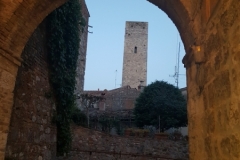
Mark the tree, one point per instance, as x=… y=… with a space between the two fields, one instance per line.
x=88 y=101
x=164 y=100
x=78 y=117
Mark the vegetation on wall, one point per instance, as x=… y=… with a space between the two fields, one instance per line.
x=163 y=100
x=64 y=26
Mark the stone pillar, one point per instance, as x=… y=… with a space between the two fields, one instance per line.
x=8 y=71
x=196 y=113
x=213 y=88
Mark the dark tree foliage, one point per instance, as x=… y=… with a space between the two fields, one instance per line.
x=164 y=100
x=78 y=117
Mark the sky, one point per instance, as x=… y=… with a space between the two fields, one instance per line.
x=106 y=44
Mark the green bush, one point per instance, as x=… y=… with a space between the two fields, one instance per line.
x=164 y=100
x=78 y=117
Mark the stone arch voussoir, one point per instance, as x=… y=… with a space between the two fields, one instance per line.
x=179 y=15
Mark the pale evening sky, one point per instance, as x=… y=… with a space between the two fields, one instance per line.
x=106 y=44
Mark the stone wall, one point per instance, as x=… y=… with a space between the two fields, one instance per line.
x=121 y=98
x=18 y=21
x=89 y=144
x=31 y=135
x=213 y=84
x=81 y=63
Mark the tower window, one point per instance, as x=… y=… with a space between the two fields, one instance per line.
x=135 y=49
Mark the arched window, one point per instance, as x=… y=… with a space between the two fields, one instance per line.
x=135 y=49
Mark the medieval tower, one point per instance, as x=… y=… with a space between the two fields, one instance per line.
x=135 y=54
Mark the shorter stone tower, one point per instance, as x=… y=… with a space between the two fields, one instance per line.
x=135 y=54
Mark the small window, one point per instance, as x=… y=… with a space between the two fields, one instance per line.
x=135 y=49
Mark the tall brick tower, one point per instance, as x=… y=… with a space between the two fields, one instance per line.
x=135 y=54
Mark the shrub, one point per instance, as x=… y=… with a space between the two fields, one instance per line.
x=78 y=117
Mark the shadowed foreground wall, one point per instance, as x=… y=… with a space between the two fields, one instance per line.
x=32 y=136
x=18 y=20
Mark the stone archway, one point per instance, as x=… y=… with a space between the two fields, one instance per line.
x=210 y=30
x=211 y=39
x=18 y=21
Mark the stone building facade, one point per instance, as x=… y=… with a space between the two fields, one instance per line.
x=122 y=98
x=117 y=103
x=135 y=54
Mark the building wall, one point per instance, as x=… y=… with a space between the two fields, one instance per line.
x=121 y=98
x=32 y=135
x=135 y=54
x=81 y=63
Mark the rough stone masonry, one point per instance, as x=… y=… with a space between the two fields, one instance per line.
x=210 y=31
x=135 y=54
